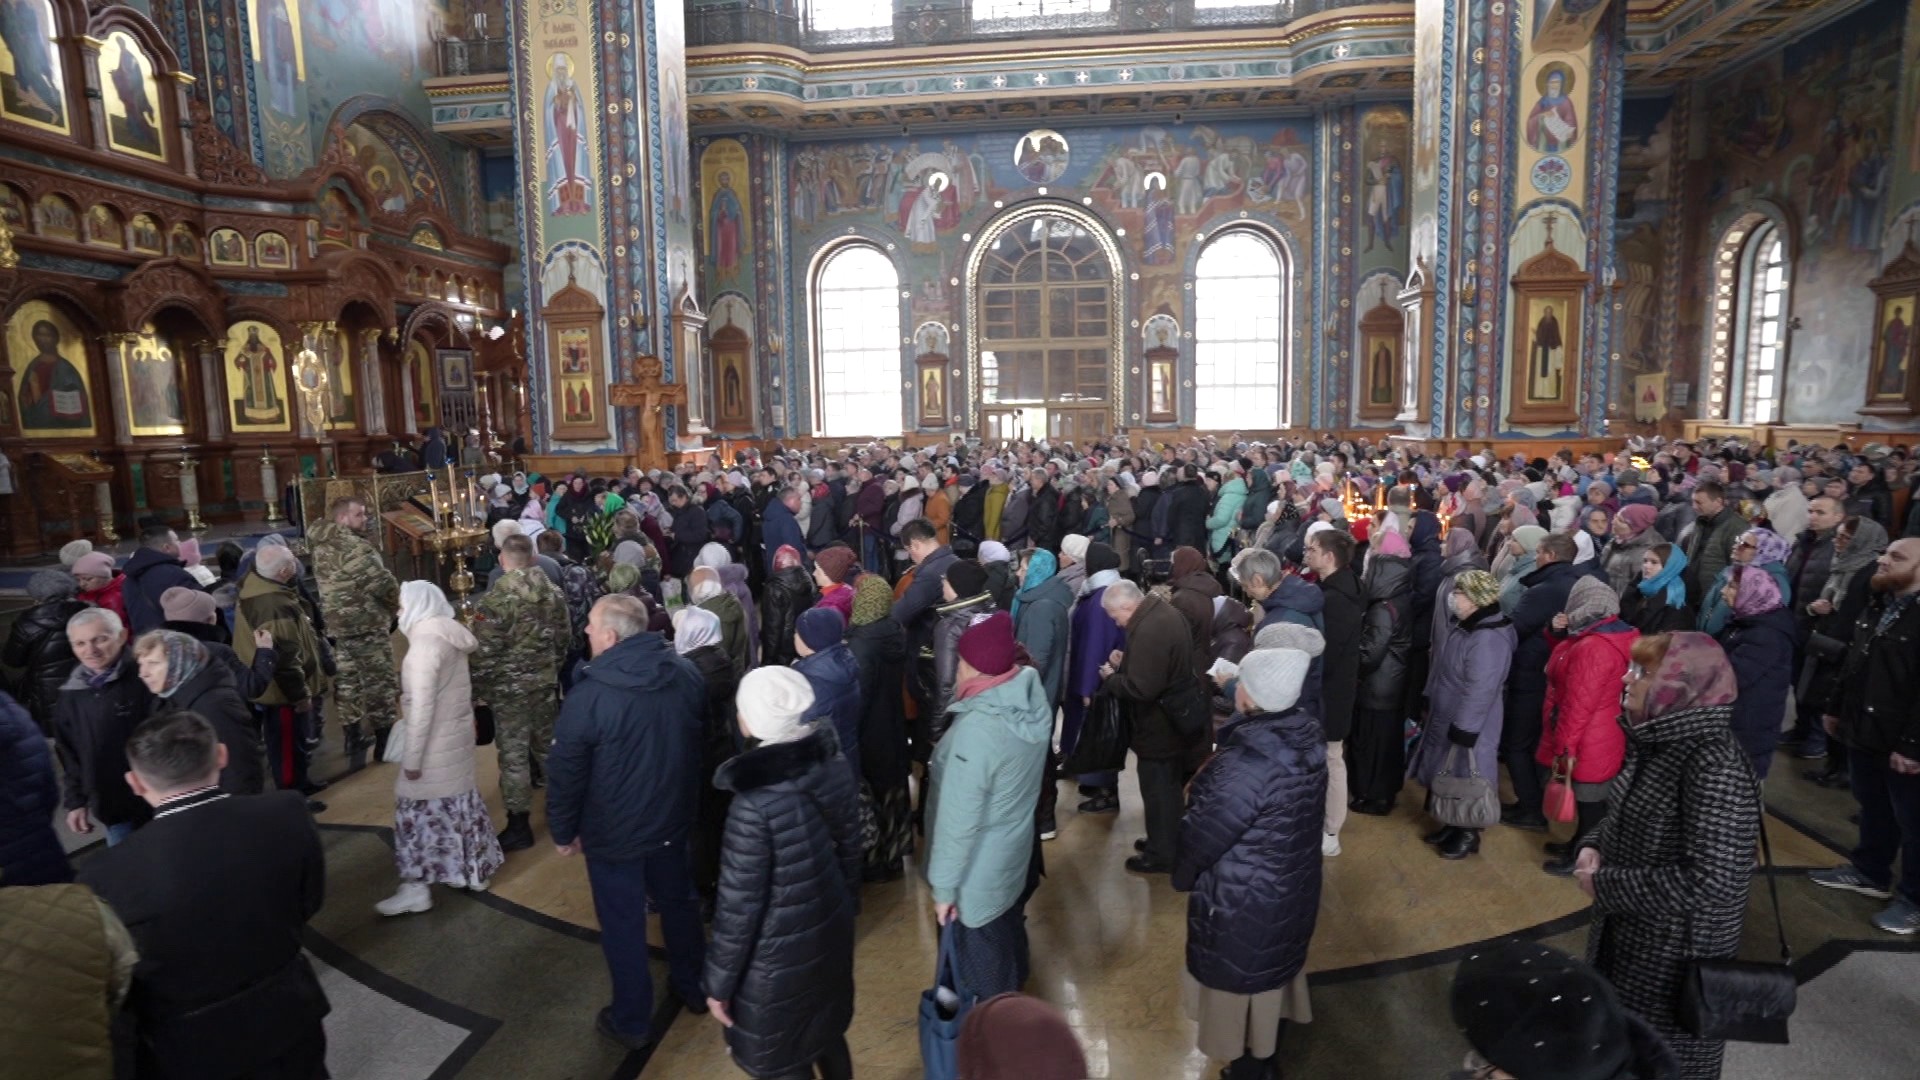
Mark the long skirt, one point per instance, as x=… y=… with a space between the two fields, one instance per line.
x=1235 y=1024
x=446 y=841
x=1376 y=754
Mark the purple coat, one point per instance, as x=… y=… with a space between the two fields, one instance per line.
x=1466 y=686
x=1092 y=637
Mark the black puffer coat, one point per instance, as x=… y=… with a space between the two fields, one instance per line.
x=1344 y=616
x=1386 y=632
x=1187 y=516
x=212 y=694
x=1760 y=648
x=835 y=677
x=880 y=647
x=30 y=853
x=781 y=953
x=788 y=593
x=38 y=644
x=1250 y=852
x=690 y=534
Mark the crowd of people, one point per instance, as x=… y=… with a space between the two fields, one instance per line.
x=752 y=689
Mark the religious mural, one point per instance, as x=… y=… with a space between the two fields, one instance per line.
x=423 y=388
x=146 y=235
x=730 y=341
x=725 y=186
x=132 y=98
x=1386 y=140
x=58 y=218
x=1552 y=157
x=151 y=370
x=55 y=389
x=1640 y=214
x=257 y=378
x=566 y=168
x=1809 y=127
x=33 y=86
x=336 y=351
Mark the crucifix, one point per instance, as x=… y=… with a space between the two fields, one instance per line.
x=651 y=395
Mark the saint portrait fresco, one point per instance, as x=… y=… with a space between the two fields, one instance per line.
x=146 y=234
x=1553 y=124
x=1547 y=370
x=256 y=378
x=569 y=156
x=229 y=248
x=155 y=404
x=272 y=251
x=54 y=392
x=424 y=388
x=132 y=97
x=33 y=88
x=1896 y=332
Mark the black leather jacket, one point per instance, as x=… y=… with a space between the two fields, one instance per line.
x=38 y=644
x=944 y=656
x=1386 y=632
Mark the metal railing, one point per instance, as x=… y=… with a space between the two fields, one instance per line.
x=475 y=56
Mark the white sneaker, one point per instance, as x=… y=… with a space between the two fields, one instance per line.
x=1329 y=844
x=477 y=884
x=412 y=897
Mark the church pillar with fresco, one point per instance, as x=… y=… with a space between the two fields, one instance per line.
x=1509 y=311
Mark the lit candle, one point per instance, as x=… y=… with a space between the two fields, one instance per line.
x=433 y=498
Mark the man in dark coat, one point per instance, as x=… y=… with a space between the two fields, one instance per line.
x=99 y=707
x=1877 y=720
x=1547 y=587
x=870 y=520
x=623 y=780
x=217 y=892
x=30 y=853
x=930 y=560
x=970 y=514
x=689 y=532
x=834 y=674
x=1158 y=658
x=37 y=643
x=1187 y=511
x=1716 y=528
x=782 y=526
x=1043 y=511
x=1329 y=553
x=152 y=570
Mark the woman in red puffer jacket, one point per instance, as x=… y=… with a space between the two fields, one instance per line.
x=1584 y=681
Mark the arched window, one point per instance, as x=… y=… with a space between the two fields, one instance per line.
x=1239 y=338
x=1758 y=385
x=856 y=343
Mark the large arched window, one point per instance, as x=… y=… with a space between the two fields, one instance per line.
x=1763 y=341
x=856 y=343
x=1239 y=333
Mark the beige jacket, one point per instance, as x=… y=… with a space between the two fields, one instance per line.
x=436 y=711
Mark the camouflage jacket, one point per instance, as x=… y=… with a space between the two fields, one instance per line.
x=524 y=635
x=357 y=591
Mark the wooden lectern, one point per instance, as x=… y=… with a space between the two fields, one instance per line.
x=72 y=473
x=651 y=396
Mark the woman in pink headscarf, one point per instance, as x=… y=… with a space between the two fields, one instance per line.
x=1758 y=640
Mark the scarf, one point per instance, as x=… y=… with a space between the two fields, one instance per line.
x=185 y=659
x=694 y=628
x=1668 y=580
x=872 y=599
x=1869 y=540
x=1098 y=581
x=1694 y=674
x=1040 y=567
x=1755 y=591
x=1768 y=546
x=420 y=601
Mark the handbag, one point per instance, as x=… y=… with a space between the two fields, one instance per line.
x=1743 y=1000
x=483 y=725
x=1559 y=803
x=942 y=1014
x=1189 y=710
x=1105 y=734
x=1464 y=802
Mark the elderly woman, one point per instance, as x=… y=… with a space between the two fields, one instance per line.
x=1669 y=869
x=788 y=592
x=1761 y=548
x=879 y=645
x=1514 y=562
x=441 y=832
x=183 y=674
x=37 y=644
x=1579 y=730
x=1249 y=853
x=1466 y=690
x=696 y=636
x=1759 y=643
x=733 y=578
x=779 y=972
x=705 y=590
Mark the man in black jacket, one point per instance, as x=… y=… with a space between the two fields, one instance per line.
x=99 y=706
x=152 y=570
x=1158 y=658
x=216 y=892
x=1043 y=511
x=1187 y=512
x=1877 y=720
x=1329 y=554
x=1546 y=596
x=623 y=780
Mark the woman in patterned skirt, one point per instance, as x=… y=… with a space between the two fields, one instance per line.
x=441 y=831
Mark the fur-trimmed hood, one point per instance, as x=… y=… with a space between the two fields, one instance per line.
x=765 y=766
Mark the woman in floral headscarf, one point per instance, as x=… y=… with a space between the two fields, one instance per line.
x=1761 y=548
x=1759 y=642
x=182 y=674
x=1669 y=868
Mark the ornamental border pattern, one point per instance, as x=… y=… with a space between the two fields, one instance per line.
x=1673 y=242
x=1602 y=185
x=1443 y=216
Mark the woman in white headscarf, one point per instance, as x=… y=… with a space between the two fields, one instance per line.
x=442 y=833
x=697 y=636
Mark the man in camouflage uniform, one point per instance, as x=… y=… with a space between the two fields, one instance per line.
x=524 y=636
x=359 y=595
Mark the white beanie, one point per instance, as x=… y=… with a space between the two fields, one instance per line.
x=71 y=552
x=504 y=528
x=1272 y=677
x=1074 y=546
x=713 y=555
x=1296 y=636
x=771 y=702
x=993 y=551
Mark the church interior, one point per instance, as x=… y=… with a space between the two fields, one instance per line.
x=251 y=246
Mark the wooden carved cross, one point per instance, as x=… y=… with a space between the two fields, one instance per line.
x=651 y=396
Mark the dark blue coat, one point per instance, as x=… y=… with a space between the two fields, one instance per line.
x=1546 y=596
x=624 y=772
x=779 y=528
x=151 y=573
x=1297 y=601
x=1250 y=852
x=1760 y=648
x=834 y=675
x=30 y=853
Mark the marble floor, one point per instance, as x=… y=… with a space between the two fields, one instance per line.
x=517 y=970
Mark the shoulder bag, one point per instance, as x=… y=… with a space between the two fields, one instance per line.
x=1743 y=1000
x=1188 y=709
x=1559 y=803
x=943 y=1011
x=1464 y=802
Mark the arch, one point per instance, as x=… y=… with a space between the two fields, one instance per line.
x=829 y=386
x=81 y=309
x=121 y=17
x=387 y=121
x=1117 y=307
x=1230 y=245
x=427 y=316
x=1729 y=270
x=161 y=284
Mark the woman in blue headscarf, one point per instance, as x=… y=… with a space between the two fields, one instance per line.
x=1041 y=609
x=1657 y=603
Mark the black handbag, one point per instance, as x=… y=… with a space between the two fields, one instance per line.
x=483 y=725
x=1188 y=709
x=1105 y=734
x=1743 y=1000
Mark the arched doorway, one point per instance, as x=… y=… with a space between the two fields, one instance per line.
x=1045 y=305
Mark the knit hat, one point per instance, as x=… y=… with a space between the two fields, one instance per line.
x=181 y=604
x=1334 y=509
x=772 y=701
x=994 y=551
x=820 y=627
x=837 y=561
x=1638 y=516
x=987 y=645
x=1479 y=587
x=1533 y=1011
x=1015 y=1037
x=93 y=564
x=1074 y=546
x=1590 y=601
x=1287 y=635
x=623 y=577
x=70 y=552
x=1524 y=498
x=1101 y=557
x=46 y=586
x=1628 y=476
x=1529 y=537
x=872 y=599
x=504 y=528
x=967 y=577
x=1272 y=677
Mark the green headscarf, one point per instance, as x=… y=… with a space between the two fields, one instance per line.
x=872 y=599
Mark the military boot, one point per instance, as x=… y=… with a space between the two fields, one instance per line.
x=519 y=834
